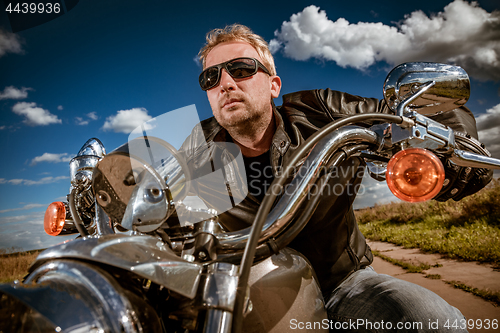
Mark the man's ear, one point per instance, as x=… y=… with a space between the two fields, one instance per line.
x=275 y=86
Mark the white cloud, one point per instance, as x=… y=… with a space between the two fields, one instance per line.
x=5 y=220
x=25 y=207
x=92 y=115
x=196 y=60
x=26 y=232
x=373 y=192
x=60 y=107
x=28 y=182
x=275 y=45
x=12 y=92
x=51 y=158
x=35 y=115
x=82 y=121
x=9 y=42
x=463 y=33
x=489 y=119
x=487 y=126
x=126 y=120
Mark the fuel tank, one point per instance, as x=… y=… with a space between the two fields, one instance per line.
x=285 y=296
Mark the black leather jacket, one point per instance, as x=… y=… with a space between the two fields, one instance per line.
x=331 y=241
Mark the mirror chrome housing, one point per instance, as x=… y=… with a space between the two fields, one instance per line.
x=84 y=162
x=426 y=88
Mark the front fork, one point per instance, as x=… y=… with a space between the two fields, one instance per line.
x=218 y=296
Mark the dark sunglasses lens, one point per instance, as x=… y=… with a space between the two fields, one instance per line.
x=209 y=78
x=240 y=68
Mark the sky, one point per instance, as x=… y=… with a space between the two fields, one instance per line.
x=104 y=67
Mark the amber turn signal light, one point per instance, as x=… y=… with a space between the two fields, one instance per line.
x=415 y=175
x=55 y=216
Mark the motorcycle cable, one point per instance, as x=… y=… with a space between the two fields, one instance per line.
x=268 y=201
x=76 y=217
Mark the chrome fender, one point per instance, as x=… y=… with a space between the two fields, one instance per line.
x=145 y=256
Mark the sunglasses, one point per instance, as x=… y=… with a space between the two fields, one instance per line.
x=238 y=68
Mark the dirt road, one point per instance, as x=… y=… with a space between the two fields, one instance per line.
x=469 y=273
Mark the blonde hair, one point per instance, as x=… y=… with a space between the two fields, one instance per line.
x=241 y=33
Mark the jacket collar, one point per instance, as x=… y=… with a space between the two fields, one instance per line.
x=281 y=140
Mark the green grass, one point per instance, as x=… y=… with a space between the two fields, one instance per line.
x=405 y=265
x=483 y=293
x=14 y=266
x=468 y=229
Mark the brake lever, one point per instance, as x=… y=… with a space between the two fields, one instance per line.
x=430 y=134
x=467 y=159
x=423 y=132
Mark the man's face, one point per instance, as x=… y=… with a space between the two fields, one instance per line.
x=241 y=104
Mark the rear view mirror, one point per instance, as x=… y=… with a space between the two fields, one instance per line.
x=427 y=88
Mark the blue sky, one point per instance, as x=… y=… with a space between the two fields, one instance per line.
x=105 y=65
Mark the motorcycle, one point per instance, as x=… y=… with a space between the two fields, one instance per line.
x=152 y=257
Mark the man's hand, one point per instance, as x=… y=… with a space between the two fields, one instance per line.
x=463 y=181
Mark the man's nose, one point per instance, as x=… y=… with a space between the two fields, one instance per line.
x=226 y=81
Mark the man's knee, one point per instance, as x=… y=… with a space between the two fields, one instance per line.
x=373 y=300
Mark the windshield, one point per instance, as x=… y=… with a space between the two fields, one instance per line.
x=176 y=170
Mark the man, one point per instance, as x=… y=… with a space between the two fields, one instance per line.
x=240 y=80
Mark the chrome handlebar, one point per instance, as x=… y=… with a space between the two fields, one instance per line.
x=281 y=216
x=467 y=159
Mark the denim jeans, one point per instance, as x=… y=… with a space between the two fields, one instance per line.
x=370 y=302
